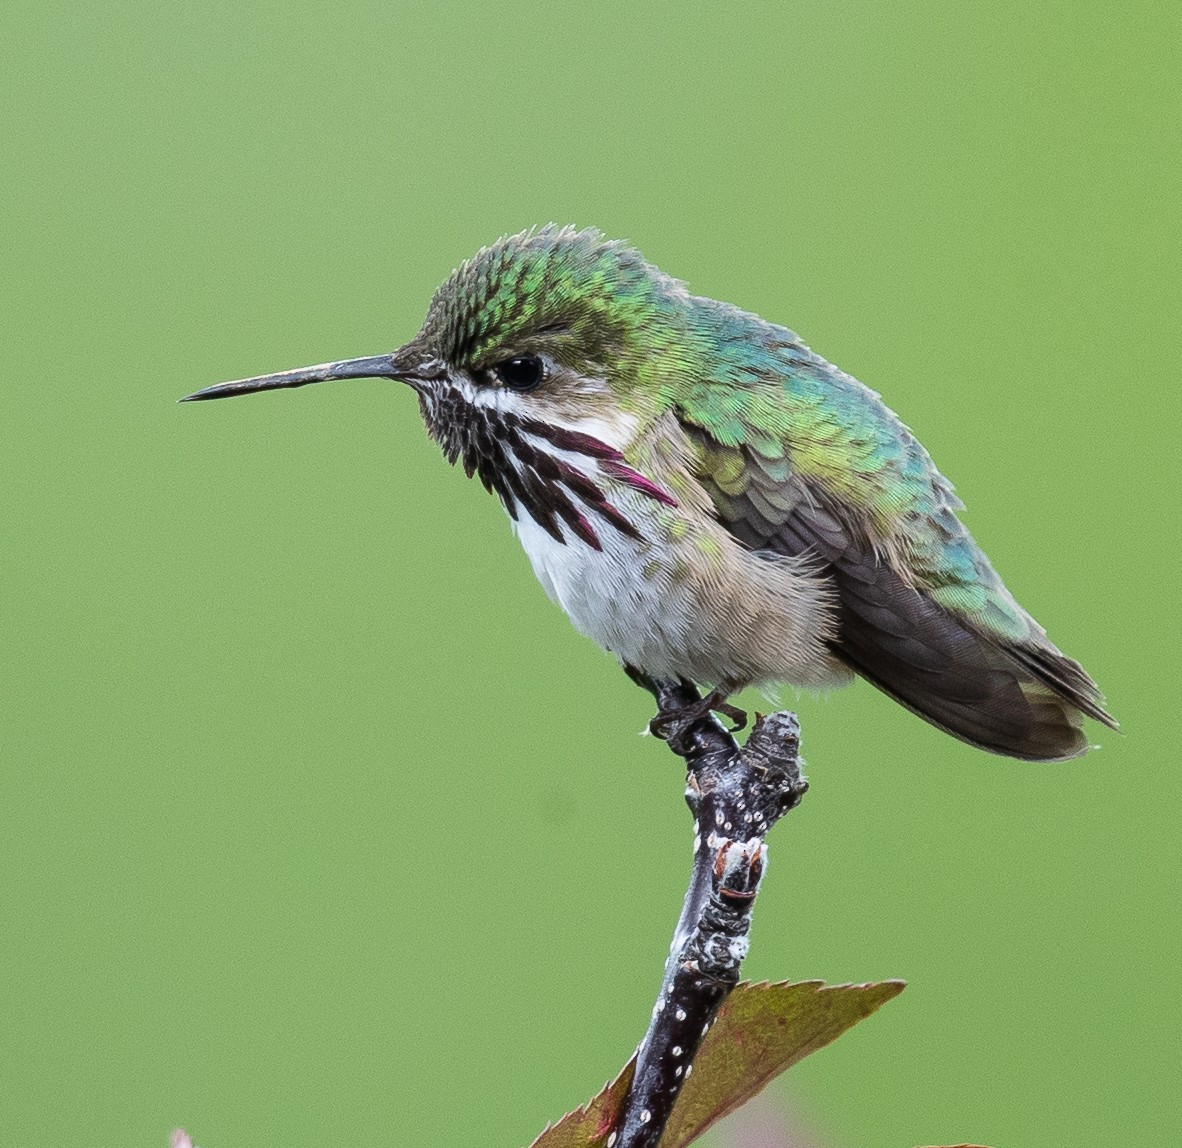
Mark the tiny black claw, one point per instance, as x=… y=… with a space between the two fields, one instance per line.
x=669 y=725
x=738 y=716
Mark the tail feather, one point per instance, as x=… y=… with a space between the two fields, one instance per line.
x=1025 y=701
x=1066 y=677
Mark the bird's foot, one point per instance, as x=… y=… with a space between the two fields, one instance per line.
x=670 y=725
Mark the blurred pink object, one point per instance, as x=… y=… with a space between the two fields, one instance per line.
x=763 y=1123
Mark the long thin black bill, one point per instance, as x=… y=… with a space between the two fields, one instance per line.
x=372 y=367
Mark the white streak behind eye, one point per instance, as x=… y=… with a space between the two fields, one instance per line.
x=616 y=430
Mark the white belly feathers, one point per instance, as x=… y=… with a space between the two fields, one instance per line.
x=702 y=608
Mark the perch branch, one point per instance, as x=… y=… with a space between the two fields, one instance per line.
x=735 y=795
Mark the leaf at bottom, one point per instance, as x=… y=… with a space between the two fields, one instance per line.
x=761 y=1030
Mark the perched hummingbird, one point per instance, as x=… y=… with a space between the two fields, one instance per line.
x=711 y=501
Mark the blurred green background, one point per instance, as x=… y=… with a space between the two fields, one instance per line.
x=319 y=824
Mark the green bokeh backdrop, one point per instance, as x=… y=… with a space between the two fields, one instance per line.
x=252 y=648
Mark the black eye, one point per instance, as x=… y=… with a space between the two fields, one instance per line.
x=521 y=373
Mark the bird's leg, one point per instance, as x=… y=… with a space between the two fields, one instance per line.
x=654 y=686
x=676 y=713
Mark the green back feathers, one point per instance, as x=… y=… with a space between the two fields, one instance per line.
x=772 y=403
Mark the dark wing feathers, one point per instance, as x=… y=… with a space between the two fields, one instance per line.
x=933 y=664
x=1022 y=698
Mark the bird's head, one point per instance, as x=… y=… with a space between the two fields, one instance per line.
x=554 y=327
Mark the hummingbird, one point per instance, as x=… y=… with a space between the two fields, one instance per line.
x=714 y=503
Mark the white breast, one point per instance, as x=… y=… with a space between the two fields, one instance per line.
x=622 y=596
x=657 y=605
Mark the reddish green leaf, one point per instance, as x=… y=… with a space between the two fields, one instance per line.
x=591 y=1123
x=760 y=1031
